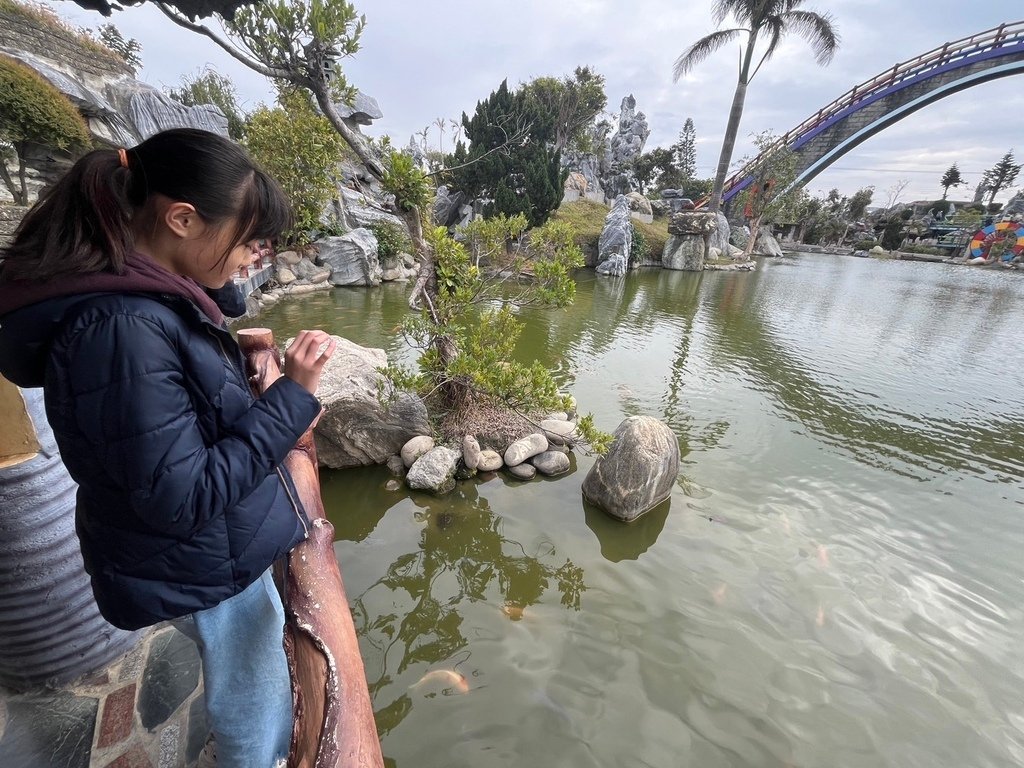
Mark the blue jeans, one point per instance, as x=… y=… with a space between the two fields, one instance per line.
x=245 y=674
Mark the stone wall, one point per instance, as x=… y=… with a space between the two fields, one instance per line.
x=145 y=710
x=22 y=32
x=10 y=217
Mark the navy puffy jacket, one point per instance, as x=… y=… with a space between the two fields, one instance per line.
x=181 y=501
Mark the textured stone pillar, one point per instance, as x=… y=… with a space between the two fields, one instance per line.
x=688 y=242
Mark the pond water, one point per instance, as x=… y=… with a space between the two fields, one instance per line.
x=836 y=580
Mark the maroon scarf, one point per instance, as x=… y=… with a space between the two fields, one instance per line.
x=142 y=275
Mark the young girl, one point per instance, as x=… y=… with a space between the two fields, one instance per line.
x=107 y=301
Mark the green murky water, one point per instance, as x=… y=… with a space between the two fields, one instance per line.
x=838 y=580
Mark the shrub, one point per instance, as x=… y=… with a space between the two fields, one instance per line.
x=34 y=112
x=406 y=182
x=299 y=148
x=391 y=239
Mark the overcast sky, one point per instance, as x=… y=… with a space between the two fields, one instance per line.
x=436 y=58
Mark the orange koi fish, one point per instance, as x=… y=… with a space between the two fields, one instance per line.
x=448 y=677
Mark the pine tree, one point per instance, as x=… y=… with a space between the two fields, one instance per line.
x=684 y=151
x=951 y=178
x=1001 y=175
x=505 y=163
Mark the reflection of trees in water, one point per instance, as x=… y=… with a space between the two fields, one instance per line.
x=834 y=414
x=463 y=558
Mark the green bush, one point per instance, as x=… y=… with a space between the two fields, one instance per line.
x=299 y=148
x=34 y=112
x=639 y=249
x=391 y=239
x=406 y=182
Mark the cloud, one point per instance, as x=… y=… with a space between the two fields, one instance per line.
x=437 y=58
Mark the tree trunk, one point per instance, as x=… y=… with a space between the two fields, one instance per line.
x=755 y=229
x=9 y=183
x=323 y=98
x=732 y=127
x=334 y=725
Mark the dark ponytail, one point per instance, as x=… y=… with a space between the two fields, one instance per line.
x=84 y=224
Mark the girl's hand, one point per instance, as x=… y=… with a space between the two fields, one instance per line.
x=303 y=362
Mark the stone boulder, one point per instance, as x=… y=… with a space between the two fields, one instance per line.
x=551 y=463
x=638 y=472
x=363 y=110
x=766 y=244
x=639 y=204
x=434 y=471
x=356 y=429
x=470 y=452
x=364 y=209
x=559 y=431
x=719 y=238
x=524 y=471
x=306 y=270
x=524 y=449
x=490 y=461
x=613 y=248
x=688 y=232
x=447 y=207
x=740 y=236
x=575 y=186
x=352 y=258
x=415 y=448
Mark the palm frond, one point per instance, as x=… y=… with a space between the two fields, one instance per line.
x=817 y=29
x=701 y=49
x=737 y=8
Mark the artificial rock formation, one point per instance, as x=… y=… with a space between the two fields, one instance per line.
x=613 y=248
x=352 y=258
x=688 y=242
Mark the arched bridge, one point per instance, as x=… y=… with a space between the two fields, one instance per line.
x=877 y=103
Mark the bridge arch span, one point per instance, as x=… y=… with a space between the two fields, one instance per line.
x=893 y=94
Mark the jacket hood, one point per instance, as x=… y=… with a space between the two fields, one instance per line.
x=31 y=313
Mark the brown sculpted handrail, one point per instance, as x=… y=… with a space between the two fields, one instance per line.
x=334 y=726
x=946 y=53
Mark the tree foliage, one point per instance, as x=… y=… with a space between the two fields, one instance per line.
x=130 y=50
x=562 y=109
x=684 y=152
x=467 y=335
x=657 y=166
x=509 y=162
x=297 y=146
x=299 y=43
x=767 y=22
x=34 y=112
x=210 y=87
x=1001 y=175
x=770 y=193
x=951 y=178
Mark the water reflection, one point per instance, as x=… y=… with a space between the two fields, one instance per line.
x=626 y=541
x=416 y=615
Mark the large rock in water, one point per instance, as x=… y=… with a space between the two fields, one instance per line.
x=688 y=231
x=355 y=429
x=352 y=258
x=638 y=472
x=766 y=244
x=616 y=240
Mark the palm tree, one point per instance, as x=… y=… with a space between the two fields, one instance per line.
x=759 y=19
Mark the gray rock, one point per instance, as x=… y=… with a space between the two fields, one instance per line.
x=305 y=269
x=490 y=461
x=447 y=207
x=683 y=252
x=396 y=466
x=470 y=452
x=639 y=203
x=719 y=237
x=363 y=110
x=287 y=259
x=638 y=472
x=356 y=429
x=766 y=244
x=559 y=432
x=524 y=471
x=740 y=236
x=551 y=463
x=285 y=276
x=525 y=448
x=352 y=258
x=364 y=209
x=434 y=470
x=616 y=240
x=415 y=448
